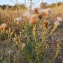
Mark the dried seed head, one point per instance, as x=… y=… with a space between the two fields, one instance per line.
x=56 y=23
x=59 y=19
x=34 y=19
x=35 y=11
x=46 y=23
x=45 y=12
x=9 y=51
x=23 y=44
x=27 y=16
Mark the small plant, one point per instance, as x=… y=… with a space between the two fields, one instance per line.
x=37 y=30
x=26 y=38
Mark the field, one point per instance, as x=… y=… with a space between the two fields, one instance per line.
x=31 y=37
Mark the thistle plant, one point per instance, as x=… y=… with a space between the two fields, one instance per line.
x=37 y=30
x=28 y=36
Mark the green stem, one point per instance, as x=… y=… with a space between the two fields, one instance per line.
x=54 y=28
x=37 y=47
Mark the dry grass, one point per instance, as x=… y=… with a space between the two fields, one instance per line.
x=56 y=10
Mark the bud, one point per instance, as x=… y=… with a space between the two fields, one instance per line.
x=9 y=51
x=59 y=19
x=23 y=44
x=56 y=23
x=14 y=39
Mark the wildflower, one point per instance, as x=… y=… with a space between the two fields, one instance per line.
x=45 y=12
x=9 y=51
x=23 y=44
x=27 y=16
x=35 y=11
x=40 y=11
x=49 y=27
x=18 y=20
x=56 y=23
x=59 y=19
x=34 y=16
x=40 y=15
x=34 y=19
x=46 y=23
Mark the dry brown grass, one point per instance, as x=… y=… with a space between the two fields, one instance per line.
x=56 y=10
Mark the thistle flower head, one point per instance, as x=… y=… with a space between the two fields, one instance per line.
x=45 y=12
x=56 y=23
x=23 y=44
x=46 y=23
x=40 y=11
x=27 y=15
x=18 y=20
x=34 y=16
x=34 y=19
x=59 y=19
x=35 y=10
x=9 y=51
x=40 y=15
